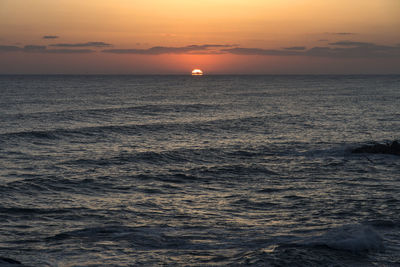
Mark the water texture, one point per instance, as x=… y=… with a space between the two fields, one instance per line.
x=198 y=171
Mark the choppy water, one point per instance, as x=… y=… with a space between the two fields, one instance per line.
x=212 y=170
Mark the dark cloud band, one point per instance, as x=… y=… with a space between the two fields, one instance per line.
x=158 y=50
x=352 y=43
x=42 y=49
x=50 y=37
x=341 y=33
x=341 y=49
x=88 y=44
x=296 y=48
x=9 y=48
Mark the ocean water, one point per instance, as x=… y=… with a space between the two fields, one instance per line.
x=198 y=171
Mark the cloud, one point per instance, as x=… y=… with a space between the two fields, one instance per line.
x=295 y=48
x=351 y=43
x=363 y=49
x=50 y=37
x=158 y=50
x=344 y=33
x=88 y=44
x=260 y=52
x=341 y=33
x=9 y=48
x=342 y=49
x=34 y=48
x=68 y=51
x=42 y=49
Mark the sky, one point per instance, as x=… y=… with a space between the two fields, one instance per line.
x=217 y=36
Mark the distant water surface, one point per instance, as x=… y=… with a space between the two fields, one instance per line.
x=211 y=170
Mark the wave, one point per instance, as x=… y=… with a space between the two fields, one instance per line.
x=203 y=126
x=20 y=210
x=382 y=223
x=248 y=204
x=346 y=245
x=354 y=238
x=235 y=169
x=151 y=157
x=33 y=134
x=140 y=109
x=38 y=185
x=141 y=236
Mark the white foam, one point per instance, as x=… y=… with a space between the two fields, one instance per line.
x=354 y=238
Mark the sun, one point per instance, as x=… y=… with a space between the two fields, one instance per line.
x=197 y=72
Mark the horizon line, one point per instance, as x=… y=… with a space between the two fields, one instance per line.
x=189 y=74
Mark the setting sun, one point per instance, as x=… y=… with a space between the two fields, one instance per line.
x=197 y=72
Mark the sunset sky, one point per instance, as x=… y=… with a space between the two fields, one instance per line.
x=217 y=36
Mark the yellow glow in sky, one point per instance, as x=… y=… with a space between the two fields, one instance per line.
x=260 y=24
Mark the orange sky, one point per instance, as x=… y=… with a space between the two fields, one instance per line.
x=219 y=36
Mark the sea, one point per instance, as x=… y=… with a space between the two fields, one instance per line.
x=231 y=170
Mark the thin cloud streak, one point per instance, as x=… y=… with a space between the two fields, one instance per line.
x=343 y=49
x=42 y=49
x=260 y=52
x=295 y=48
x=9 y=48
x=341 y=33
x=69 y=51
x=50 y=37
x=158 y=50
x=34 y=48
x=352 y=43
x=88 y=44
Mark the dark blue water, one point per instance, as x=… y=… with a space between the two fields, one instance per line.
x=212 y=170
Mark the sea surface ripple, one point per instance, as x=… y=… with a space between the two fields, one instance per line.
x=198 y=171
